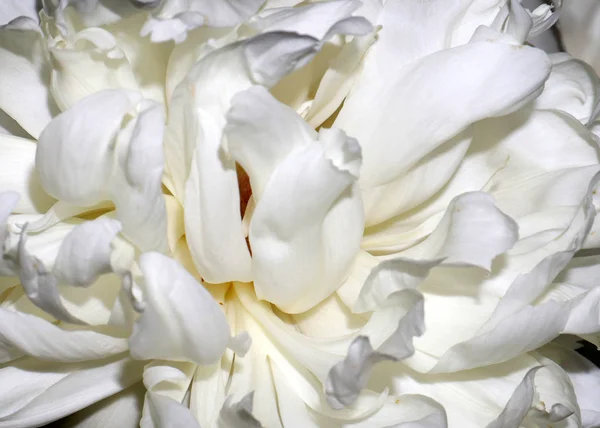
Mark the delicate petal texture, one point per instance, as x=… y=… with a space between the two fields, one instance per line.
x=84 y=62
x=75 y=152
x=166 y=412
x=174 y=18
x=239 y=414
x=580 y=29
x=23 y=334
x=573 y=87
x=123 y=410
x=17 y=172
x=521 y=404
x=348 y=377
x=136 y=186
x=429 y=131
x=35 y=392
x=300 y=254
x=313 y=20
x=40 y=284
x=261 y=133
x=85 y=253
x=180 y=321
x=472 y=232
x=24 y=93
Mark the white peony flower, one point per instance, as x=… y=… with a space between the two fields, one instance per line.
x=295 y=214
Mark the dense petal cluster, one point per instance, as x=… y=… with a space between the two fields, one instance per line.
x=275 y=213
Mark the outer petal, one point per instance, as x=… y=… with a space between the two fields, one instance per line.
x=49 y=391
x=522 y=406
x=75 y=151
x=23 y=334
x=472 y=232
x=176 y=307
x=573 y=87
x=24 y=92
x=123 y=409
x=427 y=126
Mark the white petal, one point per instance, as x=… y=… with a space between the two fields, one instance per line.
x=40 y=284
x=24 y=93
x=573 y=87
x=123 y=409
x=166 y=412
x=168 y=378
x=204 y=181
x=11 y=9
x=136 y=186
x=261 y=132
x=580 y=29
x=239 y=414
x=30 y=335
x=208 y=393
x=17 y=172
x=173 y=19
x=519 y=407
x=75 y=154
x=92 y=63
x=300 y=254
x=472 y=232
x=85 y=253
x=34 y=392
x=425 y=121
x=313 y=20
x=181 y=321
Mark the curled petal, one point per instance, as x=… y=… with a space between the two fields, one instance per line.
x=239 y=414
x=85 y=253
x=41 y=285
x=75 y=152
x=136 y=185
x=180 y=321
x=522 y=405
x=165 y=412
x=299 y=255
